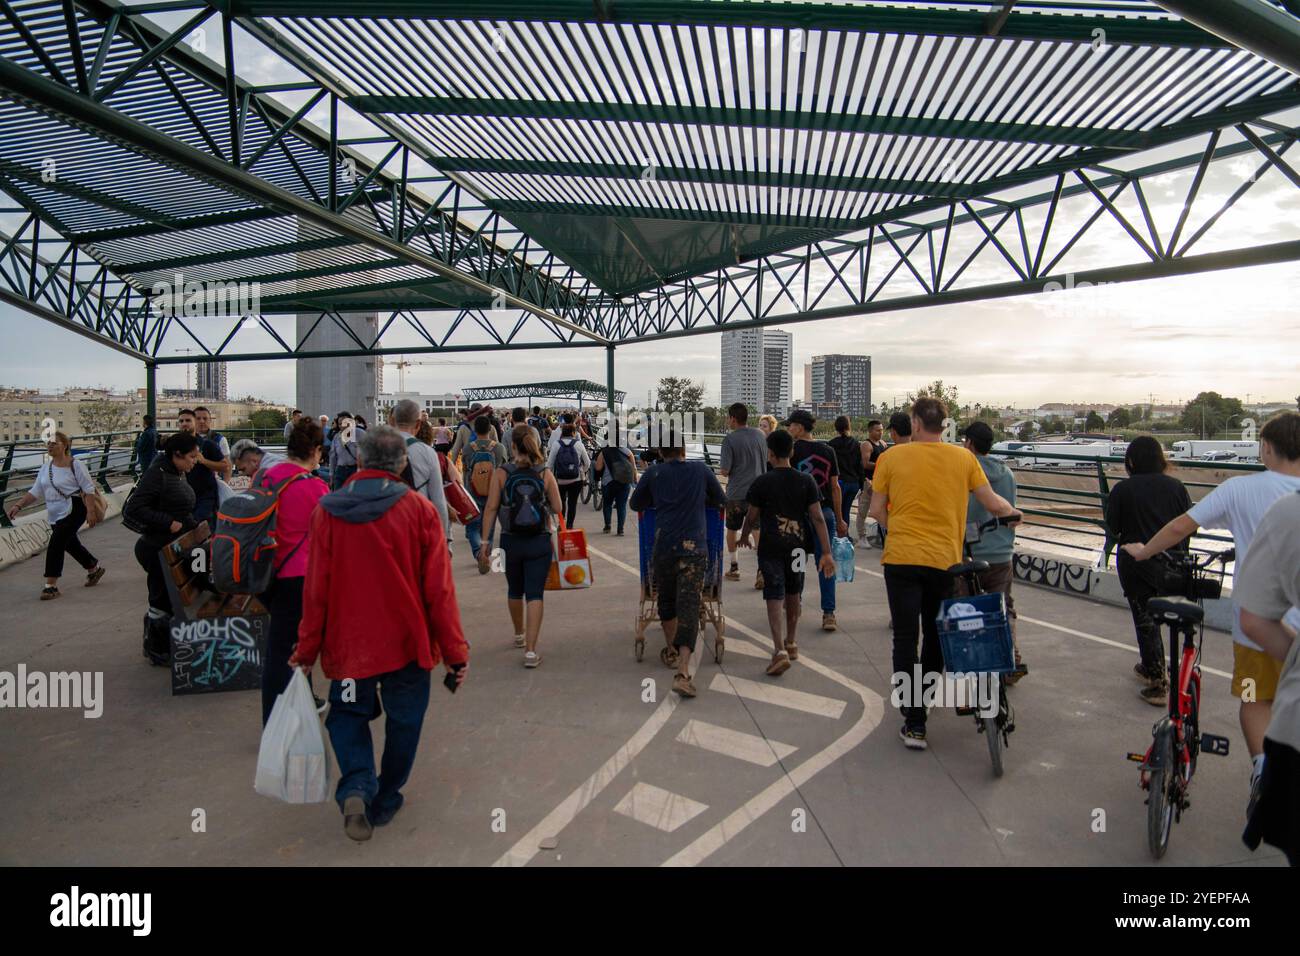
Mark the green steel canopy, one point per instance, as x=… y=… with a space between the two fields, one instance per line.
x=588 y=172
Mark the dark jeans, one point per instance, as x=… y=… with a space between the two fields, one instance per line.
x=405 y=696
x=64 y=540
x=827 y=585
x=474 y=530
x=848 y=491
x=284 y=600
x=616 y=493
x=569 y=495
x=914 y=593
x=146 y=553
x=1151 y=644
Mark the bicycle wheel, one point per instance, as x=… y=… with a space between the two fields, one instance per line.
x=993 y=736
x=1160 y=785
x=586 y=492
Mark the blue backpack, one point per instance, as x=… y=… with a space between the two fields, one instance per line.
x=523 y=502
x=567 y=464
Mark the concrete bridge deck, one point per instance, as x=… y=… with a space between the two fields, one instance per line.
x=571 y=751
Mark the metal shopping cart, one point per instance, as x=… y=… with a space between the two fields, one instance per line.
x=711 y=600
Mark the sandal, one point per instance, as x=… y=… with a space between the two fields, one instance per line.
x=669 y=656
x=780 y=664
x=682 y=686
x=49 y=593
x=792 y=649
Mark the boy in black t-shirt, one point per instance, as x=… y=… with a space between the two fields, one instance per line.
x=782 y=504
x=818 y=459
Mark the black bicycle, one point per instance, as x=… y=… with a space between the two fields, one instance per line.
x=1176 y=739
x=985 y=642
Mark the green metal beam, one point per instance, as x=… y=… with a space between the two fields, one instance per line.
x=660 y=113
x=1253 y=25
x=345 y=353
x=779 y=15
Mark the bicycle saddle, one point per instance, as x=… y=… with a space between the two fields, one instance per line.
x=1175 y=609
x=968 y=567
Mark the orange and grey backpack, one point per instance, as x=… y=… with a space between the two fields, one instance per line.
x=244 y=543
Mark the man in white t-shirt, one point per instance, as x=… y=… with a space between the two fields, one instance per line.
x=1239 y=505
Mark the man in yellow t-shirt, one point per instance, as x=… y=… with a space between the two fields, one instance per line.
x=919 y=495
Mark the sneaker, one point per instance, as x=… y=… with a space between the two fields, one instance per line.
x=913 y=736
x=828 y=621
x=1157 y=695
x=49 y=594
x=780 y=664
x=532 y=659
x=355 y=823
x=606 y=529
x=682 y=686
x=733 y=573
x=93 y=577
x=1140 y=672
x=758 y=582
x=792 y=649
x=619 y=533
x=520 y=641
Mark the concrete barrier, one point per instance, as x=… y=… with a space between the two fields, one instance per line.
x=31 y=533
x=1057 y=573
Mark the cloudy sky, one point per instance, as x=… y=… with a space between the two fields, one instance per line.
x=1234 y=331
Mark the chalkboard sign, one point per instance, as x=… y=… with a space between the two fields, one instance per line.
x=218 y=653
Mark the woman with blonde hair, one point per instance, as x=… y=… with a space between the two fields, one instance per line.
x=768 y=424
x=525 y=494
x=64 y=483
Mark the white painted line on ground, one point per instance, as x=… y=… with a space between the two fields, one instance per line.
x=873 y=712
x=734 y=743
x=559 y=818
x=1071 y=631
x=659 y=808
x=780 y=696
x=748 y=649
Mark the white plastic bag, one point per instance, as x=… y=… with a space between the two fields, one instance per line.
x=291 y=763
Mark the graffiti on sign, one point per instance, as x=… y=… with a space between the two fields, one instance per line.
x=215 y=654
x=1054 y=573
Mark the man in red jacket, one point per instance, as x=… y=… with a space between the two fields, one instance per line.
x=374 y=536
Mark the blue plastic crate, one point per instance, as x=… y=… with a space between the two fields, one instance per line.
x=979 y=642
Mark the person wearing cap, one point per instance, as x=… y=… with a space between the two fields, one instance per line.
x=995 y=547
x=818 y=459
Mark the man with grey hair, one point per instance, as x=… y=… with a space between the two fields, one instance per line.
x=249 y=458
x=376 y=536
x=426 y=472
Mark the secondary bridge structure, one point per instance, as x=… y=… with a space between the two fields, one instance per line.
x=590 y=173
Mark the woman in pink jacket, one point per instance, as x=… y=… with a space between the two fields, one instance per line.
x=293 y=522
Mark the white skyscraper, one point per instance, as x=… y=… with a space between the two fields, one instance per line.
x=757 y=369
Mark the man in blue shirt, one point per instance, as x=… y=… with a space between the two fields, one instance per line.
x=680 y=491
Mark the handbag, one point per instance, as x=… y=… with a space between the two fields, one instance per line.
x=96 y=508
x=570 y=563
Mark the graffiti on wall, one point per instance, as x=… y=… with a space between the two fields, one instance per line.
x=1055 y=573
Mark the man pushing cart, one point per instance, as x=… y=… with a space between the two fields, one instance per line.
x=679 y=529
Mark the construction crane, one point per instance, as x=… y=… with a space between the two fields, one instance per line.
x=403 y=363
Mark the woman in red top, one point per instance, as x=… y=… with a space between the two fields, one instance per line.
x=292 y=525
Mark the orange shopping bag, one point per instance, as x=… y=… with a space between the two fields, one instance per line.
x=571 y=567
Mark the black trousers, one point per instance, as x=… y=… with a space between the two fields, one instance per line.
x=284 y=600
x=64 y=540
x=146 y=553
x=569 y=499
x=1138 y=590
x=915 y=592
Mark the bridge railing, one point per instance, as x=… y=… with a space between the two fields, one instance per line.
x=1055 y=508
x=106 y=455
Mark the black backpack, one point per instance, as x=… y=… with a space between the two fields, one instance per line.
x=567 y=464
x=523 y=502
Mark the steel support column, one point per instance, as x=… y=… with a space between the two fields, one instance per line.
x=151 y=391
x=1250 y=24
x=609 y=382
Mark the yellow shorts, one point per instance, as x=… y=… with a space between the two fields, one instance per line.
x=1257 y=667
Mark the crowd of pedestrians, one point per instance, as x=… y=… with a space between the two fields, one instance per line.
x=365 y=510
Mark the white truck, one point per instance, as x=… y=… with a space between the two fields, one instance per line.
x=1199 y=448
